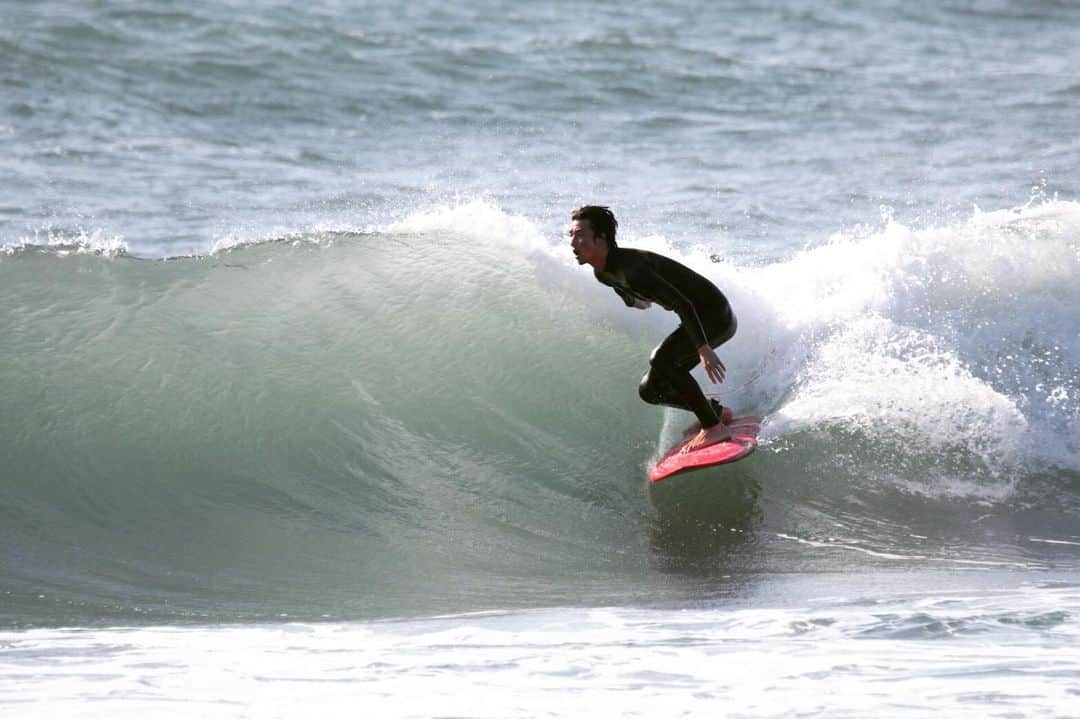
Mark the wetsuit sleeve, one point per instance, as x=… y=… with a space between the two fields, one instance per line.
x=625 y=296
x=669 y=295
x=629 y=299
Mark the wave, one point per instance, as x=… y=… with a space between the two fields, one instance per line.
x=441 y=412
x=959 y=337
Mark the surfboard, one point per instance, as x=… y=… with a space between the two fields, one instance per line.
x=740 y=442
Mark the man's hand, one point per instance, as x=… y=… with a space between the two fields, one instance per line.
x=714 y=368
x=642 y=304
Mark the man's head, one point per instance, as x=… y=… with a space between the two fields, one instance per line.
x=592 y=234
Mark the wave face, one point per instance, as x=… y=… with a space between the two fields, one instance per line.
x=440 y=414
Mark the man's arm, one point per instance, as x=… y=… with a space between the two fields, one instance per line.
x=670 y=296
x=631 y=300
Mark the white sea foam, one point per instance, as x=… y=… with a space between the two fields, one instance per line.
x=477 y=218
x=82 y=241
x=902 y=656
x=965 y=334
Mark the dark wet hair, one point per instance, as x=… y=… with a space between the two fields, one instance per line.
x=601 y=220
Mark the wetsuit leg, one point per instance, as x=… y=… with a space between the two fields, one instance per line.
x=669 y=382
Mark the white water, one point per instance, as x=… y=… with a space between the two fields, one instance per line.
x=968 y=652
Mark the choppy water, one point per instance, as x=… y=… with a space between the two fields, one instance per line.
x=294 y=355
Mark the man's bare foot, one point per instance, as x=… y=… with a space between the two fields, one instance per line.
x=712 y=435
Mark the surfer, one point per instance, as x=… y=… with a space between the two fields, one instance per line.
x=707 y=321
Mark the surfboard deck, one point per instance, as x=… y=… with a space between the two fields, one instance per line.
x=742 y=439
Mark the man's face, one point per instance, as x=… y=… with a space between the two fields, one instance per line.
x=583 y=242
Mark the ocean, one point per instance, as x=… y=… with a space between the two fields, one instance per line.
x=306 y=408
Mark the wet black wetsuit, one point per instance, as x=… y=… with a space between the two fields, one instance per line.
x=706 y=319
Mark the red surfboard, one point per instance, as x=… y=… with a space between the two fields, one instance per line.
x=740 y=442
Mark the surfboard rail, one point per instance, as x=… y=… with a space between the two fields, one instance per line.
x=741 y=441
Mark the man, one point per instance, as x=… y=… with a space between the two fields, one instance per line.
x=641 y=278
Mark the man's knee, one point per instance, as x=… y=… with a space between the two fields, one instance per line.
x=662 y=361
x=648 y=389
